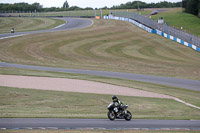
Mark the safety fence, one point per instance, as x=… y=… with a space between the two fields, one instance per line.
x=78 y=13
x=183 y=35
x=155 y=30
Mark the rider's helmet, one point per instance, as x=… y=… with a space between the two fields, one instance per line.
x=114 y=98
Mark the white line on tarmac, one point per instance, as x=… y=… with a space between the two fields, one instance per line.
x=59 y=25
x=12 y=36
x=188 y=104
x=90 y=24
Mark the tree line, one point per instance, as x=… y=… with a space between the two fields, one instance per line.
x=192 y=6
x=25 y=7
x=20 y=7
x=129 y=5
x=139 y=4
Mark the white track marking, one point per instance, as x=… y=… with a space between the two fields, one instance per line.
x=188 y=104
x=12 y=36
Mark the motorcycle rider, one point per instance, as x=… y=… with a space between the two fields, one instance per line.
x=13 y=30
x=118 y=104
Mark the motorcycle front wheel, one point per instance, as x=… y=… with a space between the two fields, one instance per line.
x=128 y=116
x=111 y=115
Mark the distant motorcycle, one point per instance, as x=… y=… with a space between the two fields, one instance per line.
x=12 y=30
x=113 y=112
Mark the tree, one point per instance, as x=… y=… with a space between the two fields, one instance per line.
x=73 y=8
x=104 y=8
x=191 y=6
x=134 y=5
x=36 y=7
x=199 y=9
x=88 y=8
x=66 y=5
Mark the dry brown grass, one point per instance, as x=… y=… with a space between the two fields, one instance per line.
x=107 y=45
x=27 y=23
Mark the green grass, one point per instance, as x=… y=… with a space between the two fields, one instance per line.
x=23 y=103
x=71 y=13
x=97 y=131
x=189 y=96
x=27 y=24
x=107 y=45
x=178 y=19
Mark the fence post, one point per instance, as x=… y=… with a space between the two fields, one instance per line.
x=101 y=13
x=95 y=13
x=170 y=30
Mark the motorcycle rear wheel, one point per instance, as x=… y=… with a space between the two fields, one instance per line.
x=128 y=116
x=111 y=115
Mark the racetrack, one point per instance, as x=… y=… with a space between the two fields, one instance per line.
x=41 y=123
x=74 y=23
x=181 y=83
x=70 y=24
x=96 y=123
x=115 y=46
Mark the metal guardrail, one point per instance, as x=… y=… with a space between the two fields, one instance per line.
x=187 y=37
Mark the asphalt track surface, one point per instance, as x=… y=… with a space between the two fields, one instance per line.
x=169 y=81
x=46 y=123
x=71 y=24
x=77 y=23
x=42 y=123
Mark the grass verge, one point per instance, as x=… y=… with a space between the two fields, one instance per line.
x=107 y=45
x=27 y=24
x=178 y=19
x=189 y=96
x=37 y=103
x=30 y=103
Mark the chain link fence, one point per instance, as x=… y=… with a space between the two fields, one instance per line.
x=79 y=13
x=185 y=36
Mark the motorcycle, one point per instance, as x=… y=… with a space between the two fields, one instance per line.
x=114 y=113
x=12 y=30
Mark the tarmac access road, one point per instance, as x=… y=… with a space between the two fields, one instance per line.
x=169 y=81
x=55 y=123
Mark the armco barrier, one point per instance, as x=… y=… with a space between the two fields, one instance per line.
x=154 y=31
x=131 y=21
x=178 y=40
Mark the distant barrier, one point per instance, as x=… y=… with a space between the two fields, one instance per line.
x=78 y=13
x=178 y=40
x=183 y=35
x=154 y=31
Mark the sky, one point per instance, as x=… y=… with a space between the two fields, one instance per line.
x=81 y=3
